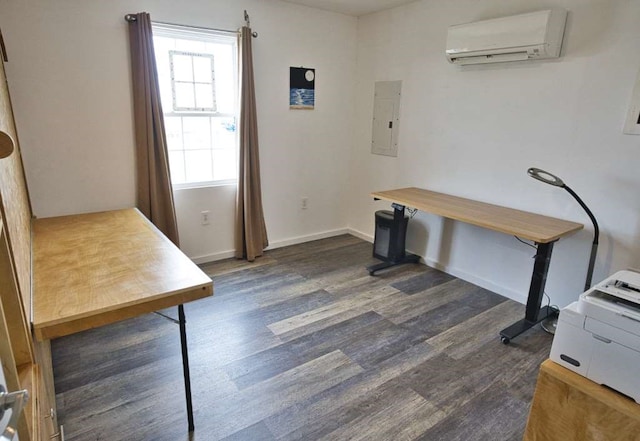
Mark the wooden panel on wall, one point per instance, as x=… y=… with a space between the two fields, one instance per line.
x=48 y=419
x=19 y=374
x=18 y=325
x=16 y=344
x=14 y=199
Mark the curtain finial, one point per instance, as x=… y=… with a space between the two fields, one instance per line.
x=246 y=19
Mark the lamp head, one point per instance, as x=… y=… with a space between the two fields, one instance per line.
x=545 y=177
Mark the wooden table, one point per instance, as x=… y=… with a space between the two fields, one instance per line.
x=569 y=407
x=93 y=269
x=63 y=275
x=542 y=230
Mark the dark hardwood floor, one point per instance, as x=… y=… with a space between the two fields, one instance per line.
x=303 y=345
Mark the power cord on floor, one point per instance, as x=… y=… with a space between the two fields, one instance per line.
x=550 y=323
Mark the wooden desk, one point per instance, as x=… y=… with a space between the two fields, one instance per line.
x=543 y=230
x=569 y=407
x=94 y=269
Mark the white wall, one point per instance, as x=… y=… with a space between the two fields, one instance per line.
x=473 y=132
x=69 y=78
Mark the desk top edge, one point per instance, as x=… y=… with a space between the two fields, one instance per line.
x=557 y=228
x=60 y=327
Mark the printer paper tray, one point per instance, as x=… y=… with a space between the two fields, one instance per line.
x=608 y=332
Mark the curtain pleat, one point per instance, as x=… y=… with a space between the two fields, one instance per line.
x=154 y=193
x=250 y=229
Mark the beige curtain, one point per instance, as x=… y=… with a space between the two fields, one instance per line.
x=250 y=229
x=154 y=195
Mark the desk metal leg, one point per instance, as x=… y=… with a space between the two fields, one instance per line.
x=407 y=258
x=185 y=366
x=533 y=313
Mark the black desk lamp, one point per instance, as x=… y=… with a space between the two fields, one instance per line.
x=551 y=179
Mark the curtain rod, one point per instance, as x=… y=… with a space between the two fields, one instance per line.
x=132 y=17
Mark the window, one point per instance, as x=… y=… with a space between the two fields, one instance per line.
x=192 y=81
x=197 y=74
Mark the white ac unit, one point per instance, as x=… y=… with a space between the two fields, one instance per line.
x=531 y=36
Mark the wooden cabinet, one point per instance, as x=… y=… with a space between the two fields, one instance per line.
x=569 y=407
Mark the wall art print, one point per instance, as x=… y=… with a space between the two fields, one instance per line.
x=302 y=85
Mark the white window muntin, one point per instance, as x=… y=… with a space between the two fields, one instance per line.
x=201 y=86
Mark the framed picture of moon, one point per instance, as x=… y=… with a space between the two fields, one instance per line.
x=302 y=85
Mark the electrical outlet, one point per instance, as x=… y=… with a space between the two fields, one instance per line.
x=204 y=217
x=304 y=203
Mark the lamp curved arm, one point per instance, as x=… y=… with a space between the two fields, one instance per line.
x=545 y=176
x=551 y=179
x=596 y=234
x=596 y=230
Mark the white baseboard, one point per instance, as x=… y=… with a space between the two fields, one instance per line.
x=272 y=246
x=484 y=283
x=307 y=238
x=212 y=257
x=360 y=235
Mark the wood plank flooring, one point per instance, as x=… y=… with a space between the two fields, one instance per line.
x=304 y=345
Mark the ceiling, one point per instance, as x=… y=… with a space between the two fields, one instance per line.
x=352 y=7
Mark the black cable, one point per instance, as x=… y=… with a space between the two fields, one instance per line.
x=528 y=244
x=554 y=308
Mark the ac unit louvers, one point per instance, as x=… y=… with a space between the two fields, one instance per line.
x=531 y=36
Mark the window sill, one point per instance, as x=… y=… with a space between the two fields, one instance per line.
x=197 y=185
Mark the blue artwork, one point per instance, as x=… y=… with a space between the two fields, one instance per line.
x=302 y=82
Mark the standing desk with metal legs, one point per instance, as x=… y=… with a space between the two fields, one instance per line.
x=543 y=230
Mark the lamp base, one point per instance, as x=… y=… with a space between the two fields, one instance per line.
x=550 y=324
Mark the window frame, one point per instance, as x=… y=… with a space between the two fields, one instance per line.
x=209 y=36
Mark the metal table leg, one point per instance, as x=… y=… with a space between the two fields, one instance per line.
x=534 y=314
x=185 y=366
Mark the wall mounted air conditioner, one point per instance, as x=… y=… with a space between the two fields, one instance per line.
x=531 y=36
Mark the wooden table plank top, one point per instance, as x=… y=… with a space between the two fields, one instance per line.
x=98 y=268
x=569 y=407
x=610 y=398
x=531 y=226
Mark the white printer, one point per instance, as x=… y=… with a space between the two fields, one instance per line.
x=599 y=335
